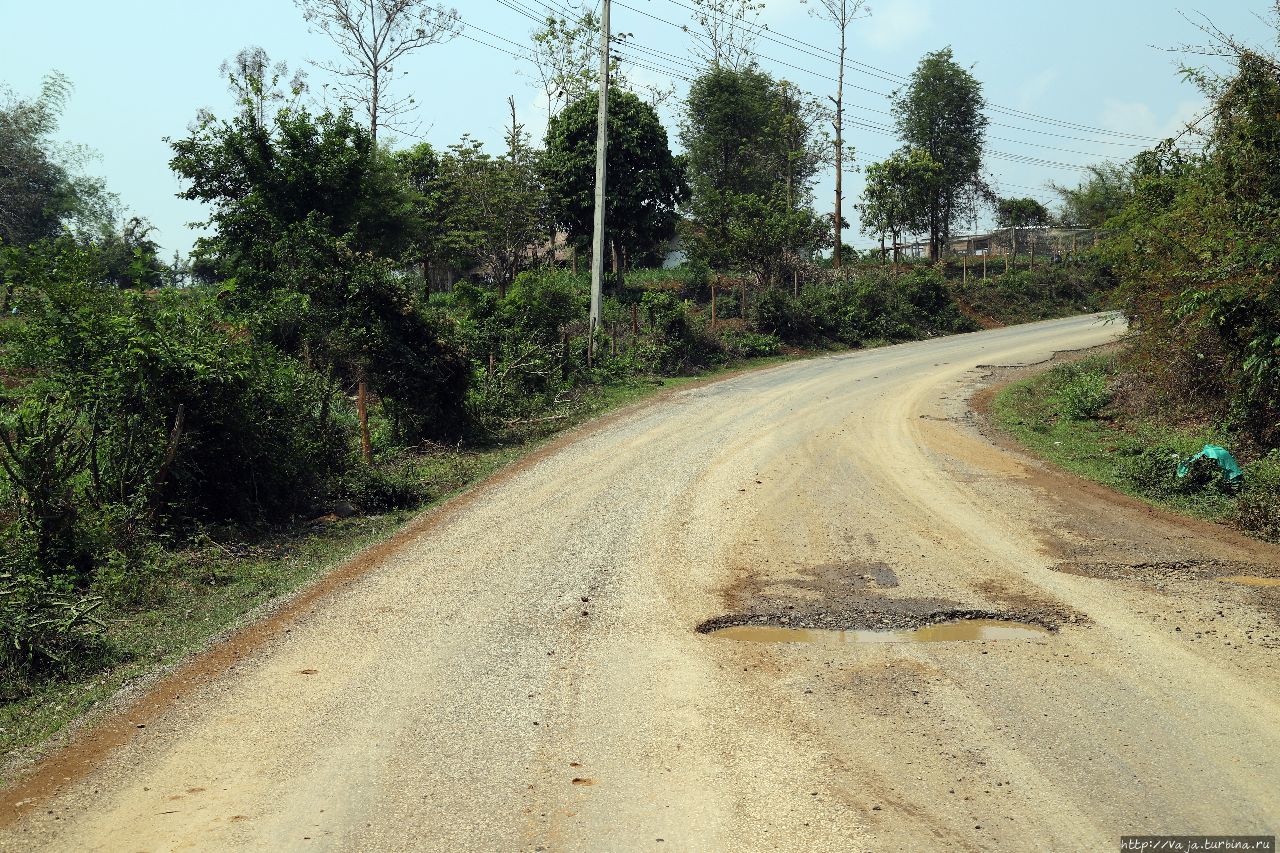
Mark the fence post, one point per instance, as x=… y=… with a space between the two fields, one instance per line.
x=366 y=446
x=713 y=304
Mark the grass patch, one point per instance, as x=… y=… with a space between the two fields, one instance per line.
x=1070 y=416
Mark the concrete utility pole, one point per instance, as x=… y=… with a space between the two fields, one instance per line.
x=602 y=148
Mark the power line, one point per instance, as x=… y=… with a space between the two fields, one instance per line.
x=521 y=53
x=663 y=66
x=885 y=74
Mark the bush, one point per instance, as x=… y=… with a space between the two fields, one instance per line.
x=1258 y=508
x=46 y=626
x=675 y=344
x=392 y=484
x=1154 y=471
x=1081 y=394
x=743 y=344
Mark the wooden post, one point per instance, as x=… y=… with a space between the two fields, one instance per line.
x=366 y=446
x=713 y=304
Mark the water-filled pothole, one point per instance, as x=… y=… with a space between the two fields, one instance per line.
x=1250 y=580
x=964 y=630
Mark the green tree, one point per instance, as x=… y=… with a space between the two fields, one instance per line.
x=1196 y=247
x=1101 y=195
x=41 y=187
x=1015 y=213
x=496 y=209
x=440 y=238
x=750 y=143
x=310 y=221
x=646 y=183
x=941 y=113
x=896 y=198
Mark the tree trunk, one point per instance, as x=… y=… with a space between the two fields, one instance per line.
x=617 y=267
x=362 y=409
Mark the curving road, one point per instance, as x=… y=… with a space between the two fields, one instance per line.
x=521 y=671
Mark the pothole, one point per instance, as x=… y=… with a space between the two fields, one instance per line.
x=1169 y=570
x=1250 y=580
x=963 y=630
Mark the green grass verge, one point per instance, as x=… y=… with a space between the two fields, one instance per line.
x=217 y=585
x=1069 y=416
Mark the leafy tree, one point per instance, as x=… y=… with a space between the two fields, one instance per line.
x=750 y=147
x=497 y=207
x=941 y=113
x=41 y=189
x=128 y=255
x=839 y=13
x=897 y=193
x=261 y=180
x=1021 y=213
x=1015 y=213
x=646 y=183
x=727 y=130
x=373 y=36
x=1196 y=245
x=1097 y=198
x=308 y=220
x=438 y=238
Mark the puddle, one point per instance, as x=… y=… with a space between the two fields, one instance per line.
x=965 y=630
x=1250 y=580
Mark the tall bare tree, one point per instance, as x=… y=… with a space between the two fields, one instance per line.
x=373 y=36
x=565 y=57
x=724 y=32
x=839 y=13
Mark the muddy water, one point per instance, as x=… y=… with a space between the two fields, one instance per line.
x=967 y=630
x=1250 y=580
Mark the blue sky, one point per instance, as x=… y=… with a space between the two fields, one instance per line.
x=143 y=69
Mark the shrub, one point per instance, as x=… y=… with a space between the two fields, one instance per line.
x=743 y=344
x=46 y=626
x=392 y=484
x=1082 y=394
x=675 y=344
x=1153 y=470
x=1258 y=508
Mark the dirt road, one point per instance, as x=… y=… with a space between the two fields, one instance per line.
x=525 y=672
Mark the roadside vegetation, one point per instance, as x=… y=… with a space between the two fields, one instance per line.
x=1194 y=246
x=1085 y=417
x=366 y=329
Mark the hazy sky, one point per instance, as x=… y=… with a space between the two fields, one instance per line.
x=143 y=68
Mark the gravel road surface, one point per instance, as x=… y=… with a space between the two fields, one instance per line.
x=523 y=669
